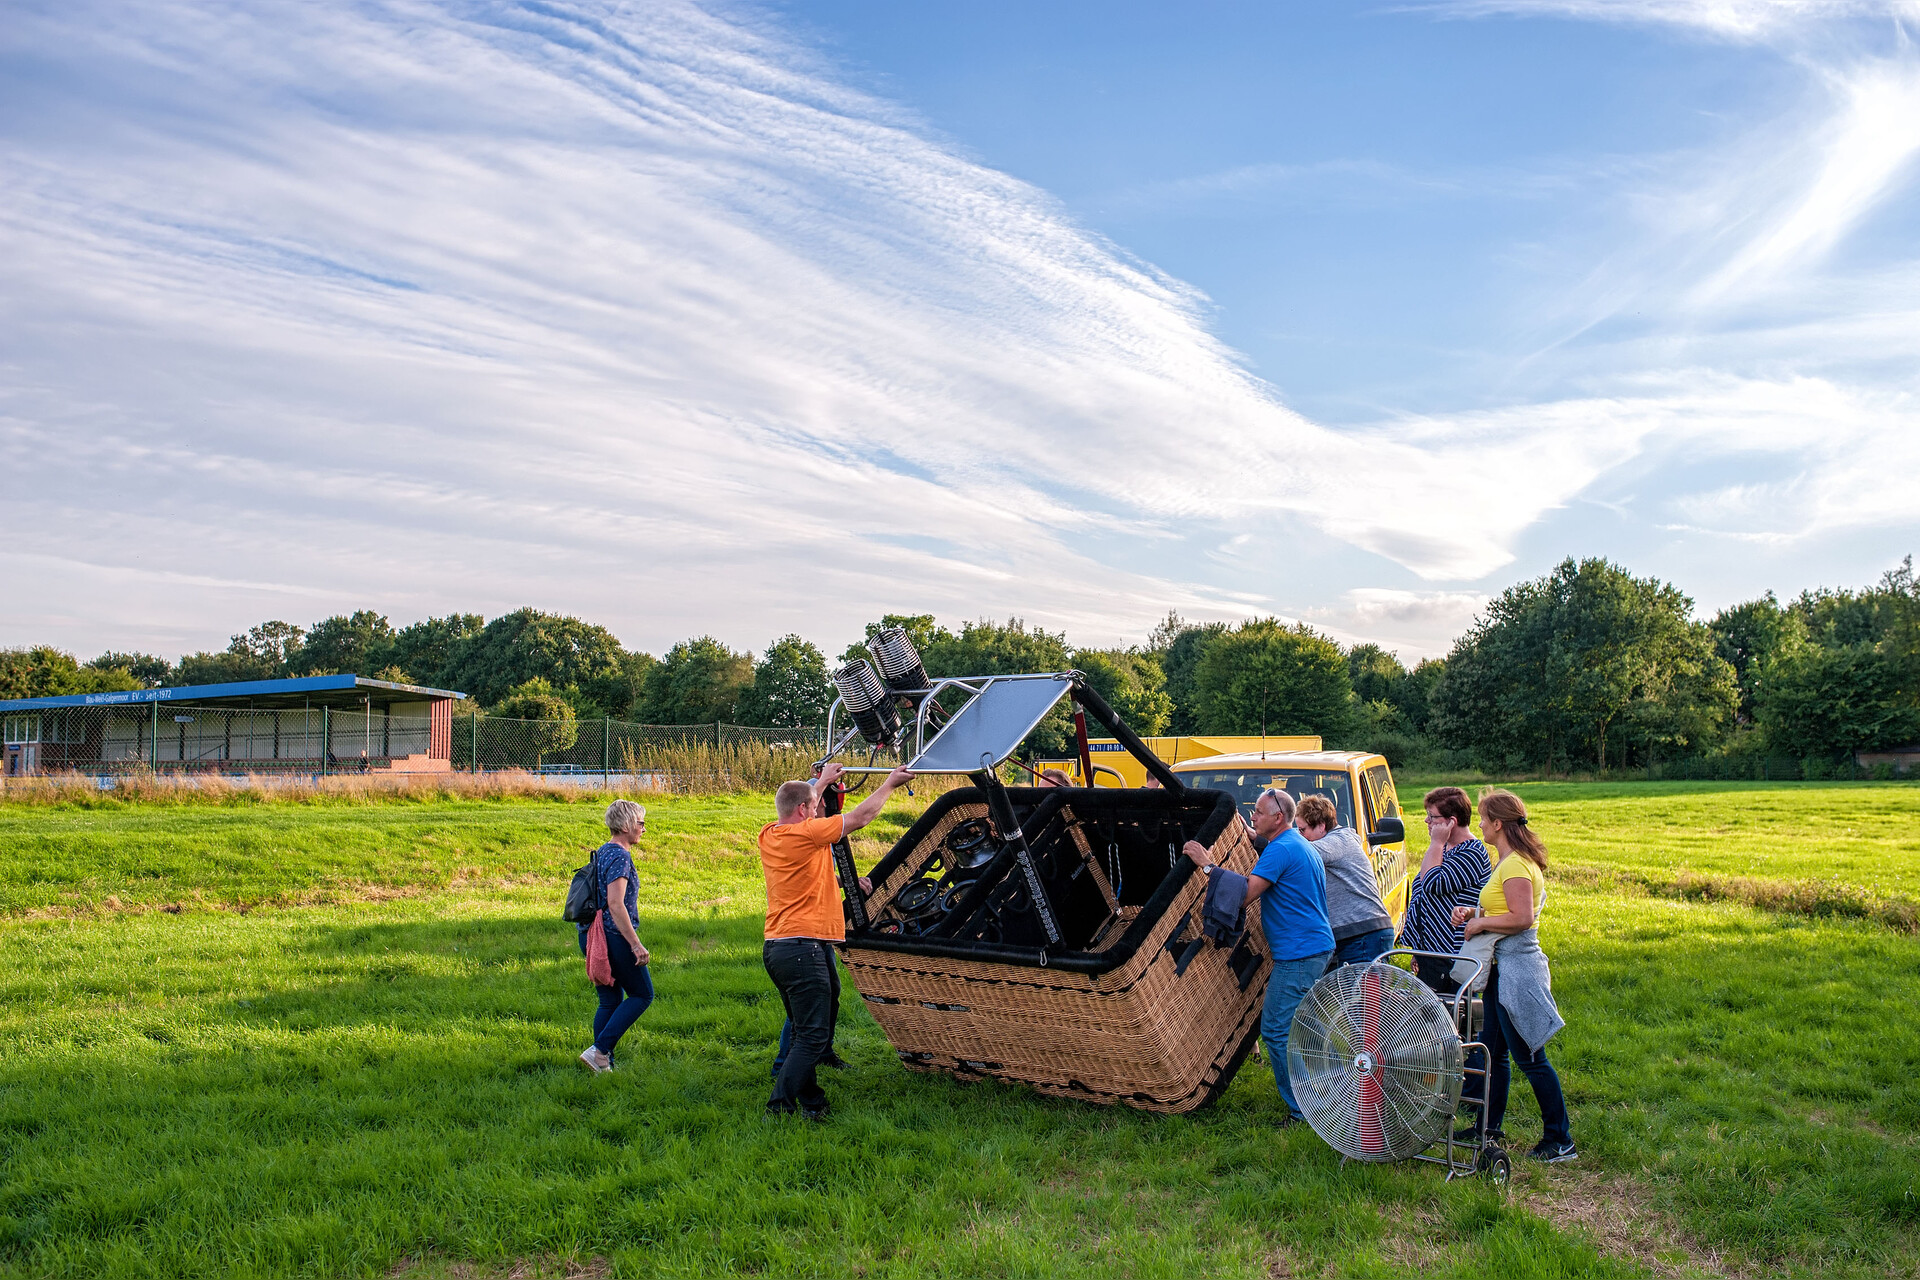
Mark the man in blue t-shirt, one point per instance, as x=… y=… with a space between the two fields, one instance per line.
x=1291 y=885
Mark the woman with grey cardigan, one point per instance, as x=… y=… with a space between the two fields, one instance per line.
x=1362 y=929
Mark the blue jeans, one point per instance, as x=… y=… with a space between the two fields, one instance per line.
x=1503 y=1040
x=1362 y=948
x=623 y=1002
x=1287 y=986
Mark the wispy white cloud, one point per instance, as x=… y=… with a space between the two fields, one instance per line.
x=1851 y=162
x=1735 y=19
x=636 y=311
x=511 y=300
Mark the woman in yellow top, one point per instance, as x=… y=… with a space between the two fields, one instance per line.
x=1521 y=1014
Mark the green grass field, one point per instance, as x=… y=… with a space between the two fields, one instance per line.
x=338 y=1039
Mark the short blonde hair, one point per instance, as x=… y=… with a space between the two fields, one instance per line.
x=791 y=798
x=1316 y=811
x=624 y=816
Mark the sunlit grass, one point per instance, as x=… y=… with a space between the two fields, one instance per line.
x=339 y=1087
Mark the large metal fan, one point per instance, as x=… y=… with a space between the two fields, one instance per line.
x=1374 y=1062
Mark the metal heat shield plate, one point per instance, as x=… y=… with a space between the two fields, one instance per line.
x=986 y=730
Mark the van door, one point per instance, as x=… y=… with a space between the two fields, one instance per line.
x=1389 y=861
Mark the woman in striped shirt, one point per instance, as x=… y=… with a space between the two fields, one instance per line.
x=1451 y=875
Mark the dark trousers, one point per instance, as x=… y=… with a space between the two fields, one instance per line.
x=1438 y=974
x=803 y=972
x=1503 y=1041
x=786 y=1028
x=625 y=1000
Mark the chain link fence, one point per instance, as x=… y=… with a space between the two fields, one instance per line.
x=482 y=743
x=176 y=738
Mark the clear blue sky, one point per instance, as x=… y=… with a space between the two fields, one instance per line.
x=756 y=319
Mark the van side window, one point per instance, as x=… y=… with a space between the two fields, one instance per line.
x=1382 y=800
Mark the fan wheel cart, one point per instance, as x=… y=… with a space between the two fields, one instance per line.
x=1050 y=936
x=1378 y=1063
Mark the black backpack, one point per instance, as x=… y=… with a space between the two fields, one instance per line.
x=583 y=895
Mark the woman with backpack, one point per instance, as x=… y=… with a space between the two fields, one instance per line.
x=624 y=985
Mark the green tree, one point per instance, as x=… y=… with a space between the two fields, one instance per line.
x=1413 y=696
x=147 y=670
x=1749 y=636
x=1179 y=645
x=549 y=723
x=428 y=651
x=584 y=663
x=1817 y=700
x=699 y=681
x=1132 y=684
x=264 y=652
x=359 y=643
x=1556 y=666
x=1374 y=672
x=790 y=687
x=1263 y=677
x=46 y=672
x=1886 y=615
x=988 y=648
x=920 y=628
x=625 y=695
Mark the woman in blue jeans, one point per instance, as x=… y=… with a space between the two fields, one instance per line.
x=632 y=989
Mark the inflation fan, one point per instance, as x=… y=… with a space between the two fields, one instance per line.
x=1376 y=1062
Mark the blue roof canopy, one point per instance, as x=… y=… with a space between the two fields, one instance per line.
x=342 y=690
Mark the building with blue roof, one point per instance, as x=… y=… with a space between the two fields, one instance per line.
x=321 y=724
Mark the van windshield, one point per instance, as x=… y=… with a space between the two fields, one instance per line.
x=1245 y=786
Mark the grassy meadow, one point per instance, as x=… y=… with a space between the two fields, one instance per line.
x=336 y=1036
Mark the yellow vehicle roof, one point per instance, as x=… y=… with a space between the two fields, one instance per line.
x=1276 y=759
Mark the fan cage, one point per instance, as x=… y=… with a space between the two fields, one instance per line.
x=1375 y=1063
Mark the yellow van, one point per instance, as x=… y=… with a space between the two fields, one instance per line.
x=1114 y=766
x=1359 y=785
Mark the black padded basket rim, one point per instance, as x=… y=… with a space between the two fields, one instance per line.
x=1225 y=810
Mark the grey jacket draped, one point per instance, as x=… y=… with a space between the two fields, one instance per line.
x=1526 y=987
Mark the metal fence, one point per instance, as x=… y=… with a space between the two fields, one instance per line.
x=210 y=738
x=483 y=742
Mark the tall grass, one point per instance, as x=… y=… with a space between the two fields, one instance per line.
x=702 y=768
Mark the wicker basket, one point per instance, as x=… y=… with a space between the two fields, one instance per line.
x=1126 y=1009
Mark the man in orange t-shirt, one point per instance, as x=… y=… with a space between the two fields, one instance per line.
x=804 y=920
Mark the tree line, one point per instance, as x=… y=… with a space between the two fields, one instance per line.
x=1585 y=667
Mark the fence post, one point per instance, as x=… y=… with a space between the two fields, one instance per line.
x=326 y=738
x=473 y=747
x=153 y=738
x=606 y=749
x=716 y=734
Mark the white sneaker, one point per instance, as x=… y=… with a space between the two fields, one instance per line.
x=596 y=1060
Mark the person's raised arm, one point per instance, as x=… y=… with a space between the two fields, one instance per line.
x=869 y=809
x=827 y=776
x=1203 y=858
x=1439 y=837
